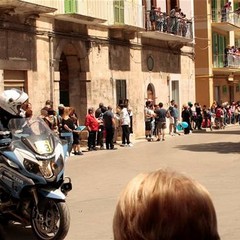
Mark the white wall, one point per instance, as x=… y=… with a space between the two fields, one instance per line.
x=187 y=7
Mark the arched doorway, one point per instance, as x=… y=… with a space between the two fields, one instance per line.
x=151 y=92
x=64 y=80
x=72 y=85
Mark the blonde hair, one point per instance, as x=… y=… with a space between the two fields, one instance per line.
x=66 y=112
x=164 y=205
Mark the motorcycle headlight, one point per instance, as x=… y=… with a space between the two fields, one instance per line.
x=42 y=168
x=45 y=168
x=58 y=165
x=31 y=166
x=49 y=169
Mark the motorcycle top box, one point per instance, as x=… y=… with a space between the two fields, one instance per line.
x=33 y=187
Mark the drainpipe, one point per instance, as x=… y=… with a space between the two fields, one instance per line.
x=51 y=67
x=169 y=87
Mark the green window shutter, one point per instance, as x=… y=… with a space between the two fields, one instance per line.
x=214 y=10
x=70 y=6
x=219 y=44
x=236 y=6
x=221 y=47
x=215 y=50
x=119 y=11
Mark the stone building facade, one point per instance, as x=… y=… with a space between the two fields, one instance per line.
x=75 y=62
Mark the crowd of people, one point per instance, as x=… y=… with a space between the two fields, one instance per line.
x=176 y=22
x=216 y=116
x=102 y=123
x=231 y=56
x=162 y=204
x=195 y=117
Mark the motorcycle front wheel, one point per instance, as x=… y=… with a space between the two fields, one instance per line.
x=51 y=220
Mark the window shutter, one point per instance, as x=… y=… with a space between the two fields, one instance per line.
x=121 y=90
x=215 y=50
x=70 y=6
x=119 y=11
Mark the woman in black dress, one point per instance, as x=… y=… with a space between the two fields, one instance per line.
x=76 y=136
x=186 y=116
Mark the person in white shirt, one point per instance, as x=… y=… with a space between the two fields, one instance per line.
x=125 y=122
x=148 y=117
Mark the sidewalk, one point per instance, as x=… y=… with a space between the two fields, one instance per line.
x=168 y=137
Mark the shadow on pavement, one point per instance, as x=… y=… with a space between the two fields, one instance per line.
x=235 y=132
x=18 y=231
x=221 y=147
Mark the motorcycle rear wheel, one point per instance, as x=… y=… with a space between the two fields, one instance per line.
x=51 y=221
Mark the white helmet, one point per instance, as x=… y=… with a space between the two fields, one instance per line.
x=12 y=100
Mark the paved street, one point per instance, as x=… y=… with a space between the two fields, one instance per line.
x=213 y=158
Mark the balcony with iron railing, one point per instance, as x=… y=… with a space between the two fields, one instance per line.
x=226 y=61
x=167 y=28
x=124 y=15
x=229 y=21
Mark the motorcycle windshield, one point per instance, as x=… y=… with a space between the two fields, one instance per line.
x=33 y=131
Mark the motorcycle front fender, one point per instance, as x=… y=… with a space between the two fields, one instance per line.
x=52 y=193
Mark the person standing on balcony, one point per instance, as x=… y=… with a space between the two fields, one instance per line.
x=223 y=14
x=159 y=19
x=174 y=20
x=153 y=17
x=182 y=24
x=231 y=56
x=226 y=57
x=228 y=7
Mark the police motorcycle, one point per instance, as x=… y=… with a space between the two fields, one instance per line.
x=33 y=188
x=32 y=184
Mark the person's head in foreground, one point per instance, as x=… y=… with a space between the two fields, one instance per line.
x=165 y=205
